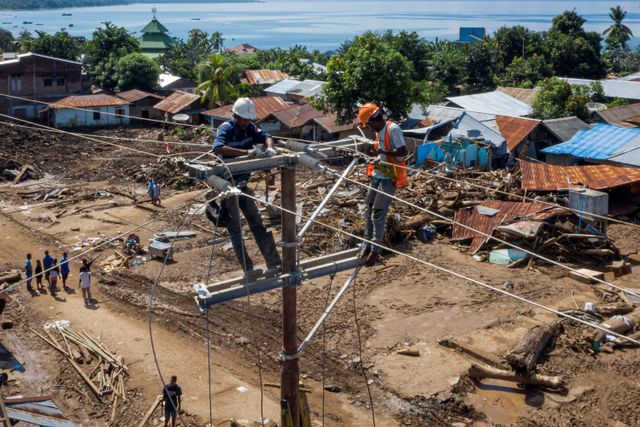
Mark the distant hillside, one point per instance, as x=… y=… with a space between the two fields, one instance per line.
x=54 y=4
x=58 y=4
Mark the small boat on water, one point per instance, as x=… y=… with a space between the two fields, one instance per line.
x=6 y=23
x=27 y=22
x=39 y=24
x=70 y=25
x=67 y=14
x=195 y=19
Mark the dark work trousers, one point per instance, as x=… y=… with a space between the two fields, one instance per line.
x=377 y=207
x=264 y=239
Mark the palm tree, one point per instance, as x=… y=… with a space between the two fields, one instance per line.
x=217 y=41
x=215 y=74
x=25 y=35
x=618 y=31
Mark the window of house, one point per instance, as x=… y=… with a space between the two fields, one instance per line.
x=96 y=114
x=13 y=85
x=119 y=113
x=19 y=85
x=60 y=81
x=145 y=114
x=48 y=81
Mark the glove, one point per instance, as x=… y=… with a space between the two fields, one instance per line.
x=255 y=153
x=270 y=152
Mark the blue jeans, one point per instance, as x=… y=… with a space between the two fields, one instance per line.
x=264 y=239
x=377 y=207
x=29 y=275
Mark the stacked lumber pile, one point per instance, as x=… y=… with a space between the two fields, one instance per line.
x=108 y=373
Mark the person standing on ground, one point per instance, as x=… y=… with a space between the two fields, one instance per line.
x=85 y=285
x=156 y=194
x=387 y=175
x=238 y=137
x=28 y=271
x=64 y=269
x=171 y=397
x=87 y=264
x=39 y=275
x=46 y=261
x=53 y=277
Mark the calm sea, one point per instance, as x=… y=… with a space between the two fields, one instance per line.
x=321 y=24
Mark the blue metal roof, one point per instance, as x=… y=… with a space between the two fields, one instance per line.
x=40 y=411
x=600 y=142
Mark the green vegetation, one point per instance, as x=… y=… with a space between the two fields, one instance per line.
x=55 y=4
x=108 y=47
x=6 y=41
x=556 y=99
x=59 y=45
x=136 y=71
x=215 y=75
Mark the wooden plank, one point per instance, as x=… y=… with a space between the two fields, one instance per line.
x=151 y=411
x=85 y=377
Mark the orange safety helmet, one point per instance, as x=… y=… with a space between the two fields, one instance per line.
x=366 y=111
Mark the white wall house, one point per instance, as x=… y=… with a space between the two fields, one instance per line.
x=88 y=110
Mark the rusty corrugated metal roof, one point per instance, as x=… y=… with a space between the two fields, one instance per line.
x=487 y=224
x=543 y=177
x=261 y=77
x=176 y=102
x=296 y=116
x=515 y=129
x=265 y=105
x=524 y=95
x=329 y=124
x=619 y=114
x=95 y=100
x=40 y=411
x=136 y=95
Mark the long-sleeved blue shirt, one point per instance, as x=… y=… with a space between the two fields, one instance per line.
x=231 y=136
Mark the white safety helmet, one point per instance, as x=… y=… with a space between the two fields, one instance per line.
x=244 y=108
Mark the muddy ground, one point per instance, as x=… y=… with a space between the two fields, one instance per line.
x=397 y=302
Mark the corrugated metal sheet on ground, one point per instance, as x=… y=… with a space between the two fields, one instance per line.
x=95 y=100
x=515 y=129
x=471 y=128
x=619 y=207
x=176 y=102
x=599 y=142
x=265 y=76
x=264 y=105
x=544 y=177
x=40 y=411
x=565 y=128
x=486 y=224
x=524 y=95
x=492 y=103
x=136 y=95
x=619 y=114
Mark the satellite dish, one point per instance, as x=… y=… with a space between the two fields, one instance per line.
x=180 y=118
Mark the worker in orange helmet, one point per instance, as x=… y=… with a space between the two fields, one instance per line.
x=387 y=174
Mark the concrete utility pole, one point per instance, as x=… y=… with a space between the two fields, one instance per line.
x=290 y=371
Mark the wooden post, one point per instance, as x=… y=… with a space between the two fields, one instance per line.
x=290 y=371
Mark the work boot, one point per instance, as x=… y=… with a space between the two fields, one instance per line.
x=253 y=272
x=372 y=259
x=364 y=252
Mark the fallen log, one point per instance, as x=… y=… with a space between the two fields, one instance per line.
x=615 y=308
x=154 y=406
x=524 y=356
x=480 y=372
x=11 y=277
x=618 y=324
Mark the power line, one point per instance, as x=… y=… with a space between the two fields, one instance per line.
x=82 y=136
x=102 y=112
x=460 y=276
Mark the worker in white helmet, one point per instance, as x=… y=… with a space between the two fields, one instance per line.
x=239 y=137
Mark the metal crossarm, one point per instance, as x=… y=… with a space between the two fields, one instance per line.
x=309 y=269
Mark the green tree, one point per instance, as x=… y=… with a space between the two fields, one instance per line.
x=447 y=63
x=618 y=31
x=526 y=73
x=136 y=71
x=104 y=74
x=617 y=102
x=25 y=35
x=370 y=71
x=415 y=49
x=111 y=41
x=555 y=99
x=6 y=41
x=571 y=50
x=509 y=43
x=217 y=41
x=480 y=69
x=59 y=45
x=215 y=73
